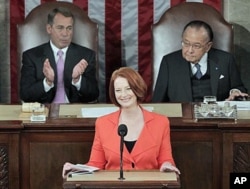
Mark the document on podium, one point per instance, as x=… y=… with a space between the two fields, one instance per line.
x=80 y=169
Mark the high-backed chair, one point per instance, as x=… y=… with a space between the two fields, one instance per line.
x=32 y=31
x=166 y=34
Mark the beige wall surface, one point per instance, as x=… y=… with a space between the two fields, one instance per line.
x=235 y=12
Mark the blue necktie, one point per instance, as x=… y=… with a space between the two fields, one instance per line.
x=198 y=74
x=60 y=92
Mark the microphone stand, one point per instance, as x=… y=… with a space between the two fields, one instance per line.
x=121 y=162
x=122 y=131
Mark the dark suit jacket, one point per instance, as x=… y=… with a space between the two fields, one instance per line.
x=31 y=83
x=174 y=82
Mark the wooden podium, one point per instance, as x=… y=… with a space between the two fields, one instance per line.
x=133 y=179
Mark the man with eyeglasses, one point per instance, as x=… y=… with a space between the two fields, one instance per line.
x=198 y=70
x=59 y=71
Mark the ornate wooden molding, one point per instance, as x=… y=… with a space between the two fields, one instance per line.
x=3 y=167
x=241 y=157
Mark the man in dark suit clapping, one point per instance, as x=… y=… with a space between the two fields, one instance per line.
x=41 y=78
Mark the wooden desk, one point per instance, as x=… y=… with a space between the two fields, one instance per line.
x=9 y=154
x=205 y=151
x=133 y=179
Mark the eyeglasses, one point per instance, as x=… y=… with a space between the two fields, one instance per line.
x=194 y=46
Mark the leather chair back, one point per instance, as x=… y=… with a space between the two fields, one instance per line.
x=166 y=34
x=32 y=31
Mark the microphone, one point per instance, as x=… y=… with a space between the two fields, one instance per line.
x=122 y=132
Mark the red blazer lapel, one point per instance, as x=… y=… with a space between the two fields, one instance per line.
x=145 y=140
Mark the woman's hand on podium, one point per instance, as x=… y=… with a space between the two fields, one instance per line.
x=67 y=167
x=166 y=166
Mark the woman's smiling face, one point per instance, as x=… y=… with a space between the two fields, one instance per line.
x=123 y=93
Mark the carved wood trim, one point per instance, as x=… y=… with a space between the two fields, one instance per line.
x=241 y=157
x=4 y=167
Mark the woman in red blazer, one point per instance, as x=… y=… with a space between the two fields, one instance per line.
x=147 y=143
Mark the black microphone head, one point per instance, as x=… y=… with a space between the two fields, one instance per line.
x=122 y=130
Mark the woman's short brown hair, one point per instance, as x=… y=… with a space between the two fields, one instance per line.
x=135 y=81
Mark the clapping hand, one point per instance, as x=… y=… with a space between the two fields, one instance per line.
x=48 y=72
x=79 y=69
